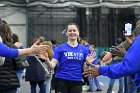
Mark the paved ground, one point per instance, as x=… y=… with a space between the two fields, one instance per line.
x=25 y=87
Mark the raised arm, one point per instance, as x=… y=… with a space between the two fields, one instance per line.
x=13 y=53
x=51 y=64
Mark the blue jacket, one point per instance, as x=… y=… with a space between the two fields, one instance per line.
x=129 y=65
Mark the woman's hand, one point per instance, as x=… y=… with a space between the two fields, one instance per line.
x=43 y=56
x=90 y=58
x=38 y=49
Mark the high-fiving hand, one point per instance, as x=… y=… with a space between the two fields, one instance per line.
x=43 y=56
x=118 y=50
x=37 y=49
x=90 y=58
x=106 y=57
x=92 y=72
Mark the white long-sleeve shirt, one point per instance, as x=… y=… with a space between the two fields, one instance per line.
x=2 y=59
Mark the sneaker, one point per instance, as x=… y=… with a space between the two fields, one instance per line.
x=85 y=88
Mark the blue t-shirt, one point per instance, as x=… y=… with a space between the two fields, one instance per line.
x=70 y=60
x=7 y=52
x=54 y=47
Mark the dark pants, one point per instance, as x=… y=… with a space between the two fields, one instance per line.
x=65 y=86
x=138 y=90
x=12 y=90
x=86 y=82
x=126 y=89
x=40 y=84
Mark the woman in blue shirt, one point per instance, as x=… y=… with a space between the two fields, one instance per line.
x=70 y=57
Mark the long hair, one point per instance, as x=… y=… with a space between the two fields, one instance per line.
x=50 y=50
x=15 y=38
x=5 y=33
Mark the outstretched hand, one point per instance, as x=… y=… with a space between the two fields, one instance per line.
x=107 y=56
x=43 y=56
x=38 y=49
x=90 y=58
x=118 y=50
x=92 y=72
x=108 y=61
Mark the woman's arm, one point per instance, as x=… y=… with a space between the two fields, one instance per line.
x=51 y=63
x=7 y=52
x=13 y=53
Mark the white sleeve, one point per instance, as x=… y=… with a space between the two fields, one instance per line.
x=2 y=59
x=0 y=39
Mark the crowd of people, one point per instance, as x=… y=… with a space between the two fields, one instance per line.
x=69 y=67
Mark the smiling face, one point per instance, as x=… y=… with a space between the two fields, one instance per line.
x=72 y=32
